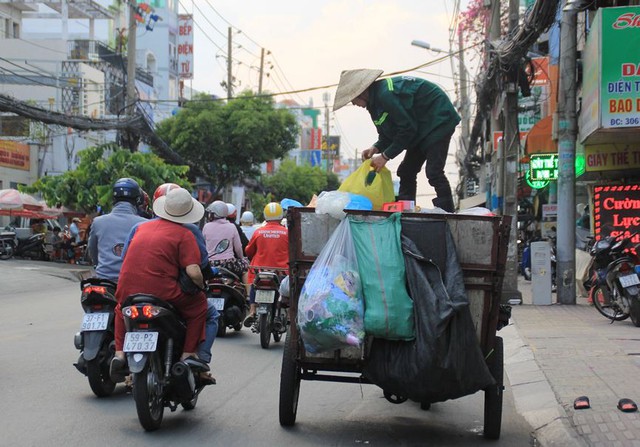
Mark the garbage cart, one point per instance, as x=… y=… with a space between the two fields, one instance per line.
x=481 y=245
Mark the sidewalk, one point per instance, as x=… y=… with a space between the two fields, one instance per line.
x=556 y=353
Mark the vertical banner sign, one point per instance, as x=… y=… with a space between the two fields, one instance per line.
x=620 y=67
x=185 y=46
x=616 y=211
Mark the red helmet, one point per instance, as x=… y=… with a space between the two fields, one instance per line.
x=163 y=189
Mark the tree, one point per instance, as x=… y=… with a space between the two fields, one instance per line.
x=90 y=184
x=298 y=182
x=230 y=140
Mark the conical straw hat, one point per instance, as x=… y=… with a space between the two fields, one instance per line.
x=352 y=83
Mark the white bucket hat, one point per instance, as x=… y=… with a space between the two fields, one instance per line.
x=352 y=83
x=178 y=206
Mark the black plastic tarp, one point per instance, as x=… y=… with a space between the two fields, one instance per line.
x=445 y=360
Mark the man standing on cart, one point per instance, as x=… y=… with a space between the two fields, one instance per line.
x=412 y=115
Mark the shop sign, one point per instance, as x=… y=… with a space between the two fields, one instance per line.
x=611 y=79
x=616 y=211
x=543 y=167
x=533 y=108
x=535 y=184
x=185 y=46
x=608 y=157
x=15 y=155
x=549 y=211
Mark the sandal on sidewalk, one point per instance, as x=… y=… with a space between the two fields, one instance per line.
x=581 y=403
x=627 y=405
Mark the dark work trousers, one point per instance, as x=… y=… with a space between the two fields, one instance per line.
x=436 y=157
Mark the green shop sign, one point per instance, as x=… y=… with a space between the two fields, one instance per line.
x=543 y=167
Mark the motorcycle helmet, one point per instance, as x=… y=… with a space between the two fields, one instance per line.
x=144 y=209
x=232 y=212
x=163 y=189
x=272 y=211
x=127 y=189
x=217 y=210
x=247 y=218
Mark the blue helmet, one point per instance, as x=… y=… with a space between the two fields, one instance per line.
x=127 y=189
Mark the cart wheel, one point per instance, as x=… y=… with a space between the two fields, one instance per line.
x=290 y=377
x=493 y=394
x=394 y=398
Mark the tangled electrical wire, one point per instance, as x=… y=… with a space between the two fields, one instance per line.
x=505 y=59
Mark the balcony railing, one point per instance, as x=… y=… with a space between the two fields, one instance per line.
x=96 y=51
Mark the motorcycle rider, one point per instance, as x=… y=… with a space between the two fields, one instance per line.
x=269 y=247
x=211 y=324
x=232 y=215
x=223 y=241
x=246 y=224
x=159 y=249
x=110 y=231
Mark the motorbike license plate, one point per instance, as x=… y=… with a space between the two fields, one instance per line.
x=265 y=296
x=218 y=303
x=140 y=341
x=629 y=280
x=95 y=322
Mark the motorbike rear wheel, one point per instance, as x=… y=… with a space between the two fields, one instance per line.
x=605 y=305
x=265 y=330
x=148 y=394
x=99 y=378
x=6 y=250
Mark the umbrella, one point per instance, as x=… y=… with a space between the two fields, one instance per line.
x=14 y=200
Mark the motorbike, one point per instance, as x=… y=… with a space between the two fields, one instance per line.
x=229 y=297
x=95 y=341
x=272 y=315
x=31 y=247
x=154 y=337
x=613 y=282
x=7 y=244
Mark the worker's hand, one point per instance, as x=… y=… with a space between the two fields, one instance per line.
x=378 y=162
x=368 y=153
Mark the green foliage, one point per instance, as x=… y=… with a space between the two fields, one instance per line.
x=258 y=202
x=230 y=140
x=299 y=182
x=90 y=184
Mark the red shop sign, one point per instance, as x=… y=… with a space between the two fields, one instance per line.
x=616 y=211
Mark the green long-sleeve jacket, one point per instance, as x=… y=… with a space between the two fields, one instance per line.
x=409 y=111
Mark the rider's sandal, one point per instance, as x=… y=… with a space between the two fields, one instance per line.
x=249 y=320
x=627 y=405
x=118 y=370
x=581 y=403
x=207 y=379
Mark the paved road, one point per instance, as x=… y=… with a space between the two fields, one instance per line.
x=45 y=401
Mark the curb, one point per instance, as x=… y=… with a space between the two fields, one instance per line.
x=533 y=396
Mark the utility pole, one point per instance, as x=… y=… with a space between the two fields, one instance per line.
x=229 y=66
x=497 y=156
x=511 y=158
x=131 y=72
x=261 y=71
x=566 y=256
x=464 y=100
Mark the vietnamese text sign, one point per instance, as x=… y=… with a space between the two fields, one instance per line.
x=185 y=46
x=620 y=67
x=607 y=157
x=616 y=210
x=15 y=155
x=543 y=166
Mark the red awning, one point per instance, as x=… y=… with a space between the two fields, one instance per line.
x=539 y=138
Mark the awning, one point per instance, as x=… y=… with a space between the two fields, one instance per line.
x=539 y=138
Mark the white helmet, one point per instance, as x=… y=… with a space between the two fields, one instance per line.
x=218 y=209
x=247 y=217
x=231 y=210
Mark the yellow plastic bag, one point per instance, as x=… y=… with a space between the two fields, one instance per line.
x=379 y=191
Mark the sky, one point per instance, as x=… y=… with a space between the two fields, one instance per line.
x=312 y=42
x=309 y=43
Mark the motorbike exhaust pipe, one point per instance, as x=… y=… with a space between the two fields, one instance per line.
x=183 y=380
